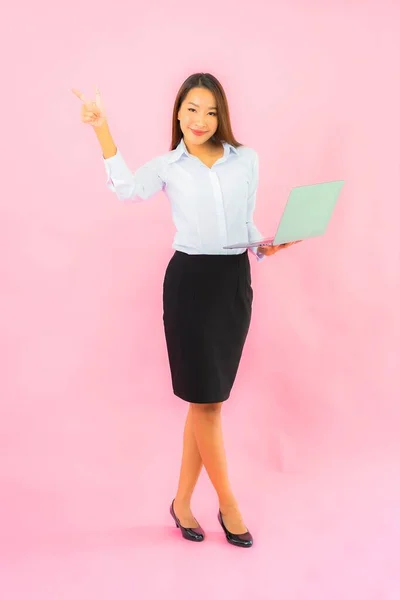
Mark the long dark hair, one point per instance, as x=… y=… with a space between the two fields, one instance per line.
x=205 y=80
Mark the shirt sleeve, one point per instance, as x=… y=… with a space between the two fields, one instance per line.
x=137 y=186
x=254 y=233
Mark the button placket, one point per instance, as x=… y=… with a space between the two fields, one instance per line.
x=219 y=207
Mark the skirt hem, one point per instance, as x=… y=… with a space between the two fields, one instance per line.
x=185 y=399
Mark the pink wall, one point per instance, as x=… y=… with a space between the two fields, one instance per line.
x=90 y=432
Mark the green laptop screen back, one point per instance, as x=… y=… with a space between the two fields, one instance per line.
x=308 y=211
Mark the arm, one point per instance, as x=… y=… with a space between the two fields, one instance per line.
x=106 y=141
x=138 y=186
x=142 y=184
x=254 y=233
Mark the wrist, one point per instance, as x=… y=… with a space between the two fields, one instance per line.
x=102 y=129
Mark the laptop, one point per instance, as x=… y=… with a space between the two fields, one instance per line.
x=307 y=213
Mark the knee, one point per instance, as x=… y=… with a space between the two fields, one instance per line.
x=209 y=411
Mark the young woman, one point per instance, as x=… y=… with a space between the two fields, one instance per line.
x=211 y=181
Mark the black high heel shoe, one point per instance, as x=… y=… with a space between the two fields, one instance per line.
x=244 y=540
x=193 y=534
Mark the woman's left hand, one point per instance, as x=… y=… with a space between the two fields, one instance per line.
x=269 y=250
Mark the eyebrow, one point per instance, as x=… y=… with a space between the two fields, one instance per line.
x=209 y=108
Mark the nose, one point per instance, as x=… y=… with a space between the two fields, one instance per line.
x=200 y=124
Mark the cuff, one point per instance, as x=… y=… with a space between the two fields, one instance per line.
x=116 y=169
x=256 y=253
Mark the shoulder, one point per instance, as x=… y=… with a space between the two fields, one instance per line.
x=158 y=160
x=248 y=154
x=163 y=161
x=249 y=158
x=158 y=164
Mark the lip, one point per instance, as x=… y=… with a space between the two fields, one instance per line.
x=198 y=132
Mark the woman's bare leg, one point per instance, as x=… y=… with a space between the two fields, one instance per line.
x=207 y=427
x=191 y=467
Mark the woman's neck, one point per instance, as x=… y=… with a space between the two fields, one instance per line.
x=206 y=149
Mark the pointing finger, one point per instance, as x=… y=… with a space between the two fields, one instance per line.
x=98 y=98
x=79 y=95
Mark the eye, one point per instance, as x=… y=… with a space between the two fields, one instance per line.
x=211 y=113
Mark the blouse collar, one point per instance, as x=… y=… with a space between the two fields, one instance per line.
x=182 y=149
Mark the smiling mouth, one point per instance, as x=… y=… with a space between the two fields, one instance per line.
x=198 y=132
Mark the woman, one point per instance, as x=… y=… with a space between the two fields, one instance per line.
x=211 y=181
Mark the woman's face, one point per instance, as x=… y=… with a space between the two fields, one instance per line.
x=198 y=115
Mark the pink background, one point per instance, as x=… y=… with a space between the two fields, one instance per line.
x=90 y=432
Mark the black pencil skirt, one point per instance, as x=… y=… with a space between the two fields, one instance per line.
x=207 y=304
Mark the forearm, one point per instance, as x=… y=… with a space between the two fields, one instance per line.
x=106 y=141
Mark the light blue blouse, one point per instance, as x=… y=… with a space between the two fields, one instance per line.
x=211 y=207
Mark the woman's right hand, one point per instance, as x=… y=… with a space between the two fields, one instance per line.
x=92 y=112
x=270 y=250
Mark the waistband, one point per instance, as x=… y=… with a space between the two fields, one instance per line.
x=212 y=257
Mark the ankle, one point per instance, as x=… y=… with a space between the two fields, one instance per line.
x=227 y=505
x=183 y=501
